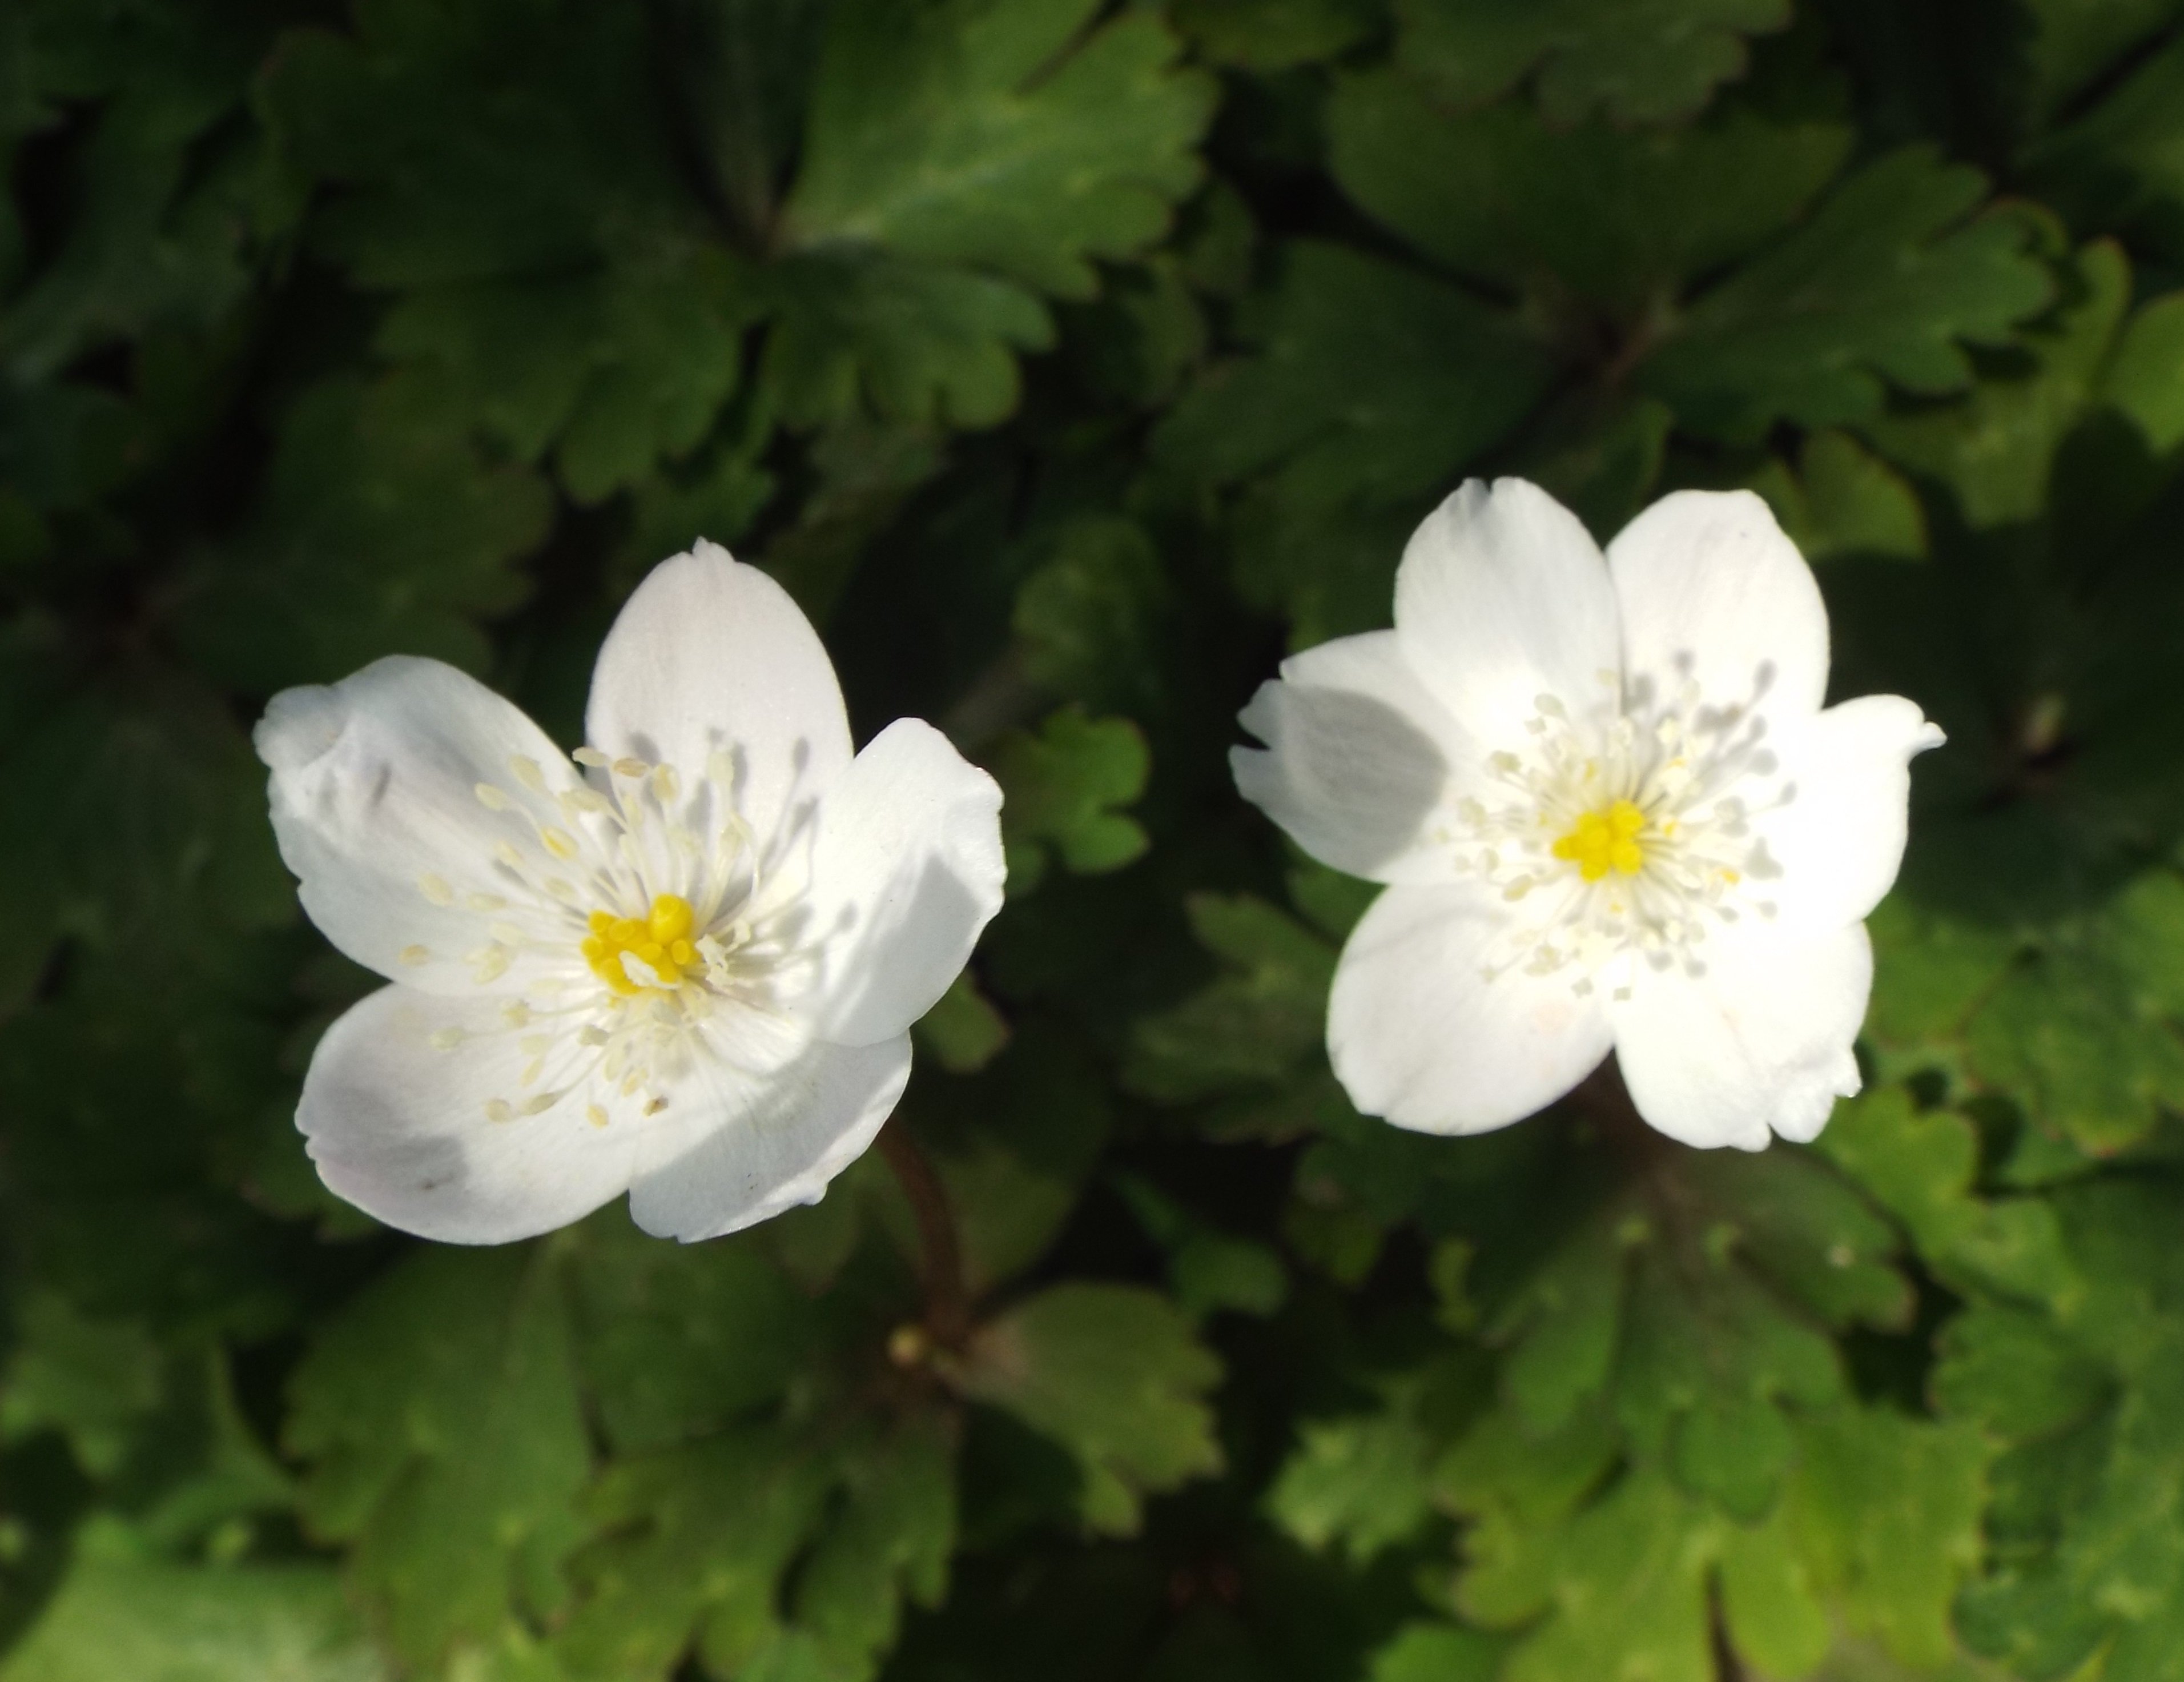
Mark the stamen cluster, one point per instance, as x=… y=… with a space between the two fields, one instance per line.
x=645 y=917
x=1626 y=828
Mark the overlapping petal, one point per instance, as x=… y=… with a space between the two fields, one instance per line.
x=906 y=869
x=405 y=1127
x=1503 y=596
x=1419 y=1034
x=1359 y=757
x=374 y=803
x=1712 y=592
x=1838 y=838
x=710 y=655
x=746 y=1150
x=1758 y=1045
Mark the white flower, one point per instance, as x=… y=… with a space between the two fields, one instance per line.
x=1610 y=813
x=683 y=967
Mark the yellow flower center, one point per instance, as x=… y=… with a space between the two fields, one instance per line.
x=661 y=940
x=1601 y=842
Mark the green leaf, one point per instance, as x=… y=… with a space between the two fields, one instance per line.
x=1886 y=279
x=1274 y=34
x=1264 y=1016
x=1086 y=619
x=1014 y=1158
x=2091 y=1559
x=1681 y=1327
x=1635 y=60
x=1437 y=1653
x=1627 y=1588
x=2070 y=1034
x=889 y=1544
x=1380 y=346
x=375 y=534
x=908 y=341
x=440 y=1419
x=2015 y=1372
x=700 y=1540
x=560 y=285
x=1618 y=220
x=1144 y=337
x=1115 y=1375
x=173 y=213
x=963 y=1033
x=696 y=1540
x=2143 y=929
x=1997 y=449
x=2146 y=377
x=1373 y=387
x=153 y=838
x=1060 y=789
x=866 y=473
x=1921 y=1167
x=1208 y=1269
x=1932 y=970
x=1886 y=1509
x=1601 y=464
x=957 y=161
x=93 y=1380
x=1844 y=500
x=513 y=137
x=1360 y=1482
x=1809 y=1233
x=2073 y=41
x=1625 y=1583
x=2120 y=167
x=152 y=1621
x=517 y=1656
x=678 y=1341
x=1519 y=1492
x=1003 y=136
x=623 y=366
x=1565 y=1322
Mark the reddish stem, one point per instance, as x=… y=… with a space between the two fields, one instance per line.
x=947 y=1306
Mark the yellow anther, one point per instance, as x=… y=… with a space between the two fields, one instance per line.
x=660 y=940
x=1604 y=840
x=671 y=917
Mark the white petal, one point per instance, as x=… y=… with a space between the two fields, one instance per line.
x=1357 y=762
x=1712 y=592
x=375 y=804
x=1838 y=838
x=1503 y=597
x=1419 y=1035
x=906 y=869
x=710 y=655
x=400 y=1127
x=752 y=1148
x=1759 y=1044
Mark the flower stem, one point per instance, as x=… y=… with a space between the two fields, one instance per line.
x=947 y=1306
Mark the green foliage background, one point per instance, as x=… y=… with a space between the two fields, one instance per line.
x=1068 y=361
